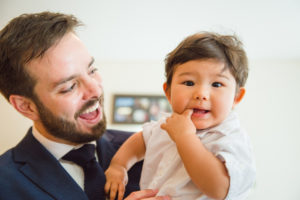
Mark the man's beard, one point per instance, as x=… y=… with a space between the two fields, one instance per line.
x=66 y=130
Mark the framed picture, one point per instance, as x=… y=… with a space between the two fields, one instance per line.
x=138 y=109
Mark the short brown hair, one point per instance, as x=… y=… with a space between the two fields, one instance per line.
x=209 y=45
x=23 y=39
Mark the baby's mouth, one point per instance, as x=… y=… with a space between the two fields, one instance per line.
x=200 y=111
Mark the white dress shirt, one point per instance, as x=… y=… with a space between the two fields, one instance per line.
x=164 y=170
x=58 y=150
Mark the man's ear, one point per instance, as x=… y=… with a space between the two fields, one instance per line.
x=25 y=106
x=167 y=92
x=239 y=96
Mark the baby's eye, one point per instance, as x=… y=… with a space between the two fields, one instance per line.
x=216 y=84
x=188 y=83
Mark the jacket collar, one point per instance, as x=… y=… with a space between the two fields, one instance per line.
x=44 y=170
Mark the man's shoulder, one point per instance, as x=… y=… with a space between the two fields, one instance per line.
x=6 y=157
x=7 y=163
x=108 y=145
x=116 y=136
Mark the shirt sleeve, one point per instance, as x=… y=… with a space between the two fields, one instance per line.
x=236 y=153
x=152 y=125
x=147 y=131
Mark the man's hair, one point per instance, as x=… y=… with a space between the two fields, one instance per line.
x=208 y=45
x=23 y=39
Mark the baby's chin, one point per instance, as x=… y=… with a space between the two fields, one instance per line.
x=202 y=124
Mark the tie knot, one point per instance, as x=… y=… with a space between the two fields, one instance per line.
x=81 y=156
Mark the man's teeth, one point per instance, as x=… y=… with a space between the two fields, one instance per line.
x=91 y=109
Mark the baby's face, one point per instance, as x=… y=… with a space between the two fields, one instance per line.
x=207 y=88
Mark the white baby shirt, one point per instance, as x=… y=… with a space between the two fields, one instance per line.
x=164 y=170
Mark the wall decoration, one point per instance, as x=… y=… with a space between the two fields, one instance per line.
x=138 y=109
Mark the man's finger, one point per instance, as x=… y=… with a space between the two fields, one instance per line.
x=159 y=198
x=138 y=195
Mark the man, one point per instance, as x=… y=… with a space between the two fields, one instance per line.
x=48 y=75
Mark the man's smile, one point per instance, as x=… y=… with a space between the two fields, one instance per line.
x=92 y=114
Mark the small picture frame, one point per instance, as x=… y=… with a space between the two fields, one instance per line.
x=138 y=109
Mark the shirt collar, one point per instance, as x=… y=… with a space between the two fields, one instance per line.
x=58 y=150
x=225 y=127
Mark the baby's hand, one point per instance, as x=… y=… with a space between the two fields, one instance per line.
x=116 y=179
x=179 y=124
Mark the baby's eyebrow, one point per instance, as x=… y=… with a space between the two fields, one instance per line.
x=223 y=76
x=185 y=73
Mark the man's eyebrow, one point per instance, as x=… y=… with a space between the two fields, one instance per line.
x=60 y=82
x=91 y=62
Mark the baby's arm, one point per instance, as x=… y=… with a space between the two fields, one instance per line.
x=132 y=151
x=207 y=172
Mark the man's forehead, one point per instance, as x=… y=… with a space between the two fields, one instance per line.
x=61 y=62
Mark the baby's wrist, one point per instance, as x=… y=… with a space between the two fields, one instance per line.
x=182 y=136
x=117 y=165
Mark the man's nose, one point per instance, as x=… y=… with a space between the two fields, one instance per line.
x=92 y=89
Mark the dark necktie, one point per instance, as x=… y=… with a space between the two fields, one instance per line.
x=94 y=178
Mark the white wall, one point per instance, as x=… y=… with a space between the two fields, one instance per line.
x=130 y=39
x=270 y=115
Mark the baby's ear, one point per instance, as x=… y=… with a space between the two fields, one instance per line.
x=239 y=96
x=25 y=106
x=167 y=92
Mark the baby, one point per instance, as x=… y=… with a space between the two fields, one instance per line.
x=200 y=150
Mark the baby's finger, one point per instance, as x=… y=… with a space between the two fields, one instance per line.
x=121 y=191
x=163 y=126
x=113 y=191
x=188 y=112
x=107 y=187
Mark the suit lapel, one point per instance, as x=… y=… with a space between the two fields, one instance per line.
x=105 y=152
x=45 y=171
x=108 y=144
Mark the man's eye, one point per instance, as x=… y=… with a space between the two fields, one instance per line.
x=217 y=84
x=188 y=83
x=93 y=71
x=69 y=89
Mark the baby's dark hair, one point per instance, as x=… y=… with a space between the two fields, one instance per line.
x=209 y=45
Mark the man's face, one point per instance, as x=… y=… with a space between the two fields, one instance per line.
x=69 y=93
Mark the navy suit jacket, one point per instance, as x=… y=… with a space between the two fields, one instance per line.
x=29 y=171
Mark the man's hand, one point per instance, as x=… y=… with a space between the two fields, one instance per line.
x=116 y=179
x=146 y=195
x=179 y=124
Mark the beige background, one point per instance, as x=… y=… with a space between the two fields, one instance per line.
x=130 y=39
